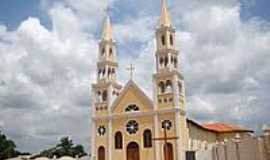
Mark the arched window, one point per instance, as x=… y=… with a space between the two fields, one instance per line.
x=175 y=62
x=101 y=153
x=103 y=51
x=99 y=73
x=168 y=86
x=109 y=72
x=166 y=61
x=161 y=61
x=103 y=72
x=171 y=40
x=147 y=138
x=111 y=51
x=172 y=59
x=132 y=108
x=163 y=40
x=98 y=98
x=118 y=140
x=161 y=86
x=104 y=96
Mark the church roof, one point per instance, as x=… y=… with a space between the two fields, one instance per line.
x=165 y=18
x=224 y=128
x=219 y=127
x=131 y=84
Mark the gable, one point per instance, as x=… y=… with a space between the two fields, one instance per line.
x=132 y=95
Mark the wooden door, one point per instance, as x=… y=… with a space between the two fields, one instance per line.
x=133 y=152
x=168 y=151
x=190 y=155
x=101 y=153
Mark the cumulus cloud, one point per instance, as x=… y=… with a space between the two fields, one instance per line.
x=45 y=80
x=46 y=73
x=224 y=58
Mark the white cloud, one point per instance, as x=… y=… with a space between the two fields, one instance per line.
x=42 y=69
x=46 y=74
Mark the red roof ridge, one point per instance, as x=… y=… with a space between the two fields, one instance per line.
x=223 y=127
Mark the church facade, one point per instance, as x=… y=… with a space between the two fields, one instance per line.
x=129 y=125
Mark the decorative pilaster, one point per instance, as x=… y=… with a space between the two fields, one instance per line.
x=110 y=137
x=93 y=140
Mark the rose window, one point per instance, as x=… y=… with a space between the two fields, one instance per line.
x=167 y=124
x=132 y=127
x=101 y=130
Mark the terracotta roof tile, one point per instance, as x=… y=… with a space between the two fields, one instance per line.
x=222 y=128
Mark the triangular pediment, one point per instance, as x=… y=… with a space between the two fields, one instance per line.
x=132 y=94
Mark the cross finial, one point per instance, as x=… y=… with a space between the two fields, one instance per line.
x=131 y=69
x=108 y=8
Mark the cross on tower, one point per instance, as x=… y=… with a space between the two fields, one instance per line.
x=108 y=10
x=165 y=140
x=131 y=69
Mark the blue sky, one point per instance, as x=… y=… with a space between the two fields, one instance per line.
x=48 y=62
x=13 y=12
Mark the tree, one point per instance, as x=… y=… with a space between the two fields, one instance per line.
x=7 y=148
x=79 y=150
x=64 y=148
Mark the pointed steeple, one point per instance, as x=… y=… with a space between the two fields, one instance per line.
x=107 y=29
x=165 y=18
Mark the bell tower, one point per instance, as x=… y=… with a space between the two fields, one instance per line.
x=169 y=87
x=169 y=82
x=104 y=91
x=107 y=64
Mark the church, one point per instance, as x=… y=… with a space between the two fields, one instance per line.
x=129 y=125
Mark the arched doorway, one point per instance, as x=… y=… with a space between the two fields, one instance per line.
x=168 y=151
x=101 y=153
x=133 y=151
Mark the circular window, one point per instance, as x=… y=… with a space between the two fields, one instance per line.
x=167 y=124
x=101 y=130
x=132 y=127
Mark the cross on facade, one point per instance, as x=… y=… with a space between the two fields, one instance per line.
x=165 y=140
x=131 y=69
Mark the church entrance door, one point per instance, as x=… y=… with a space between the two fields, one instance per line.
x=101 y=153
x=133 y=151
x=168 y=151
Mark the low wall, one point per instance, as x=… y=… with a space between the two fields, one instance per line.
x=248 y=148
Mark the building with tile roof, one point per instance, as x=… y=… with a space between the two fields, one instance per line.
x=129 y=125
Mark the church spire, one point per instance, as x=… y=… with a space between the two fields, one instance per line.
x=107 y=62
x=107 y=29
x=165 y=18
